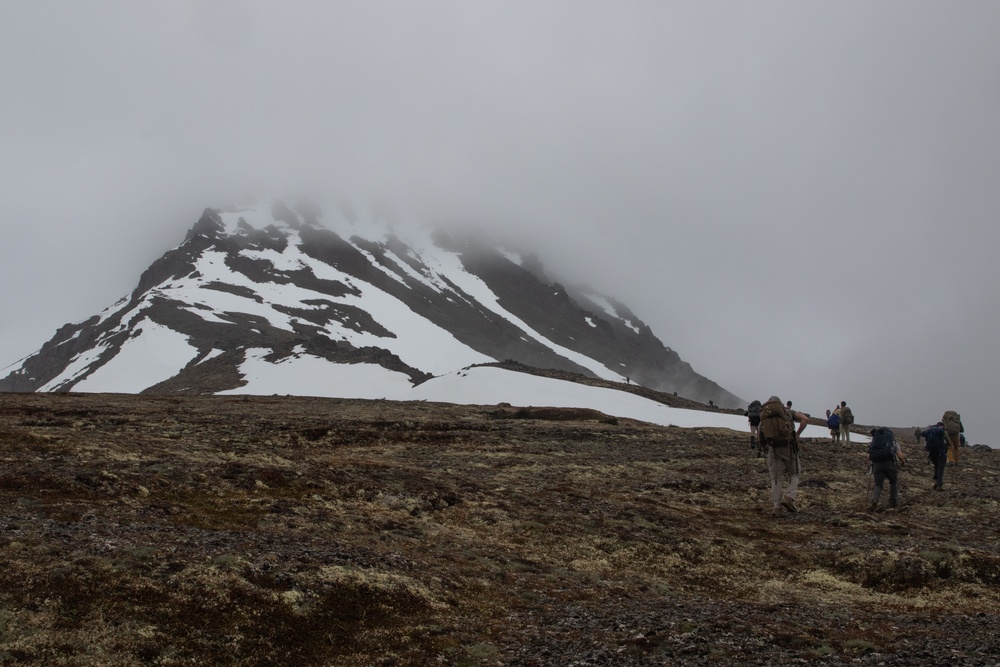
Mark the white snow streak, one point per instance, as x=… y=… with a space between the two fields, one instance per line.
x=153 y=356
x=308 y=375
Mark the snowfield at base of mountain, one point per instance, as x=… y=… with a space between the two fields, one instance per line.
x=306 y=375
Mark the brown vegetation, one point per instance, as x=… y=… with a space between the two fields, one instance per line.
x=156 y=530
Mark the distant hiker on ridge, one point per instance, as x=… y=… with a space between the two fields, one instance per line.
x=936 y=444
x=778 y=434
x=753 y=416
x=883 y=452
x=833 y=423
x=846 y=419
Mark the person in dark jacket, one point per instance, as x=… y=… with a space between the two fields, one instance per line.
x=753 y=417
x=886 y=469
x=936 y=444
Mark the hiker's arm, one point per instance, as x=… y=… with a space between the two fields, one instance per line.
x=899 y=453
x=803 y=420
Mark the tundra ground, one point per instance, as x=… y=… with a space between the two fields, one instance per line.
x=280 y=531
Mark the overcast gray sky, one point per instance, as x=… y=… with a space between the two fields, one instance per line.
x=800 y=198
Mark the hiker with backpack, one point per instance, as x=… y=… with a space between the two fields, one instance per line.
x=846 y=419
x=778 y=434
x=953 y=428
x=833 y=423
x=936 y=444
x=753 y=416
x=884 y=453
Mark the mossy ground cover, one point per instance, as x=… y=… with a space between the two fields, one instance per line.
x=166 y=530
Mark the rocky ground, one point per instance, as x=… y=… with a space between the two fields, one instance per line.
x=159 y=530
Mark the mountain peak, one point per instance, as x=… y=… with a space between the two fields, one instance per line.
x=209 y=225
x=258 y=290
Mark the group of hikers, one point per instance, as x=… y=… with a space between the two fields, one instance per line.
x=839 y=422
x=774 y=434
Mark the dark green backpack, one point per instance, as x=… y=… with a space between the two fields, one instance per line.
x=846 y=416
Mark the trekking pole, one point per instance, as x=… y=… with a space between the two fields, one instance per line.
x=899 y=483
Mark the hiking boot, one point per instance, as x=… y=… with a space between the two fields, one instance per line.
x=777 y=511
x=872 y=506
x=789 y=504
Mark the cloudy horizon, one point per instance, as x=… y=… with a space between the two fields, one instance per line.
x=798 y=198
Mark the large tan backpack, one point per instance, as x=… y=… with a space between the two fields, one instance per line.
x=846 y=416
x=952 y=422
x=776 y=426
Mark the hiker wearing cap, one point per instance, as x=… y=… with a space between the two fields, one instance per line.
x=778 y=435
x=936 y=444
x=884 y=452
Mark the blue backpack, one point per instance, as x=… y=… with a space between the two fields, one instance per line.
x=883 y=445
x=935 y=440
x=833 y=421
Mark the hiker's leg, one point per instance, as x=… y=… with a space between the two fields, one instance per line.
x=794 y=470
x=893 y=474
x=939 y=464
x=845 y=434
x=879 y=473
x=953 y=441
x=776 y=470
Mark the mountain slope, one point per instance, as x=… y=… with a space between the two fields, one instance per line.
x=270 y=283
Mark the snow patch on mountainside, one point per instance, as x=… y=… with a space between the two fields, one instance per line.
x=76 y=368
x=308 y=375
x=474 y=286
x=422 y=343
x=155 y=354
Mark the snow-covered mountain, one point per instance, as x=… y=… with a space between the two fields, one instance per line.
x=274 y=298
